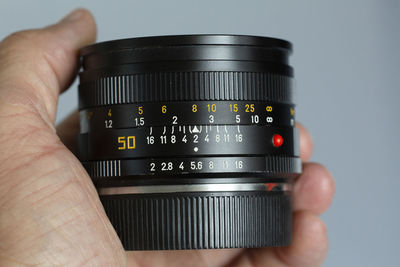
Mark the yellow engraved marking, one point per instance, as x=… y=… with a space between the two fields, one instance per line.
x=249 y=108
x=140 y=110
x=131 y=142
x=212 y=107
x=269 y=108
x=234 y=107
x=127 y=142
x=122 y=141
x=292 y=111
x=109 y=113
x=194 y=108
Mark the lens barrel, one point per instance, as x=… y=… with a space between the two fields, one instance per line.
x=190 y=139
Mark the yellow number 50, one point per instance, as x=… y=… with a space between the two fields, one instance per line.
x=126 y=142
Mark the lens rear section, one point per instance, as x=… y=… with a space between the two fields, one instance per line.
x=190 y=140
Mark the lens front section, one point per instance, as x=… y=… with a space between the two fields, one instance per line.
x=190 y=140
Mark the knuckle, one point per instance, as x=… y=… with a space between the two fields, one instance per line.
x=14 y=47
x=24 y=71
x=21 y=37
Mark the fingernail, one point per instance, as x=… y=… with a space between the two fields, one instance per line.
x=73 y=16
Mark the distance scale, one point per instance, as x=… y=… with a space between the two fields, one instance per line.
x=187 y=113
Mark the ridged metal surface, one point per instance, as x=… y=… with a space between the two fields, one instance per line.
x=275 y=164
x=103 y=168
x=201 y=221
x=185 y=86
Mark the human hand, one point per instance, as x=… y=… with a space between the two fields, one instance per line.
x=50 y=213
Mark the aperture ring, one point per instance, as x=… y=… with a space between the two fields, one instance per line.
x=269 y=165
x=185 y=86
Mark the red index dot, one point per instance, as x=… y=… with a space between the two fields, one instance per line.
x=277 y=140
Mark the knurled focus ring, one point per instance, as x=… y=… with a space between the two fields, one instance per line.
x=185 y=86
x=201 y=220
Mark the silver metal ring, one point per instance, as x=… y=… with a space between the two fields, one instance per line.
x=152 y=189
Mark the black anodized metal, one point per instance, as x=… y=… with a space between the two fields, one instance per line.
x=210 y=111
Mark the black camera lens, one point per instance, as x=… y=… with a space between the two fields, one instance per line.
x=190 y=139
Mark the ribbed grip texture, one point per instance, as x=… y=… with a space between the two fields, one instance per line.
x=201 y=220
x=185 y=86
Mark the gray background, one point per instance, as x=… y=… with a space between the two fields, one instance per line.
x=346 y=60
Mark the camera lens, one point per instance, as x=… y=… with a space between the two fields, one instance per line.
x=190 y=140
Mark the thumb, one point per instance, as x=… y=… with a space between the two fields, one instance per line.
x=50 y=213
x=36 y=65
